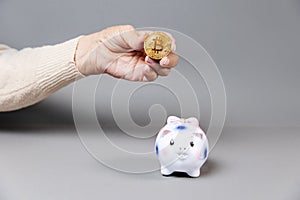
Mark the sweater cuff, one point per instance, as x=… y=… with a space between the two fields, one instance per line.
x=58 y=69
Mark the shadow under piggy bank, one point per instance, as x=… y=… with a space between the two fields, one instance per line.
x=209 y=167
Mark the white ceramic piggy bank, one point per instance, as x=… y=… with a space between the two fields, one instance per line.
x=181 y=146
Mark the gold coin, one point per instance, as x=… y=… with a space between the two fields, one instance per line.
x=157 y=45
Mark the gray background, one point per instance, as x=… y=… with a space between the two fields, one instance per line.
x=256 y=46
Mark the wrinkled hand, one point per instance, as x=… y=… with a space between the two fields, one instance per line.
x=119 y=51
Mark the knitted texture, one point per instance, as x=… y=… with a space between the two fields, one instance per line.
x=32 y=74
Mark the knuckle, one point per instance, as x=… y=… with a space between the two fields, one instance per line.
x=174 y=60
x=128 y=27
x=152 y=75
x=165 y=72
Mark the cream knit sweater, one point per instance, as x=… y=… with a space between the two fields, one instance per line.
x=30 y=75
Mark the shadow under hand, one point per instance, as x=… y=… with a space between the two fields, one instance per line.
x=42 y=116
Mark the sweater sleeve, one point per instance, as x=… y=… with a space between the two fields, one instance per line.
x=32 y=74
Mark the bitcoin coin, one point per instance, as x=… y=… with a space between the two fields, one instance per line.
x=157 y=45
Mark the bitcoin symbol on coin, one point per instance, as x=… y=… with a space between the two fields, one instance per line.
x=157 y=45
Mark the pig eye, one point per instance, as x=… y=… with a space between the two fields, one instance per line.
x=171 y=142
x=192 y=143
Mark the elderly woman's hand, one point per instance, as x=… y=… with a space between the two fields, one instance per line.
x=118 y=51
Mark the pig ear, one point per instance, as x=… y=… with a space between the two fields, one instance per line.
x=200 y=135
x=193 y=121
x=172 y=119
x=165 y=132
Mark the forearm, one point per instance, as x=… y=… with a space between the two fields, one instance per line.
x=30 y=75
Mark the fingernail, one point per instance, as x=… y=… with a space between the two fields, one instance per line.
x=165 y=61
x=148 y=60
x=173 y=47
